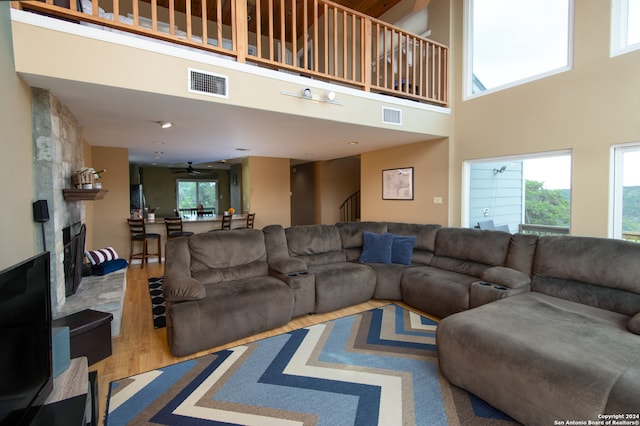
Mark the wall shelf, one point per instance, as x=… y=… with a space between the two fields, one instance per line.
x=83 y=194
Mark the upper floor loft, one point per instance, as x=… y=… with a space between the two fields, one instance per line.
x=312 y=38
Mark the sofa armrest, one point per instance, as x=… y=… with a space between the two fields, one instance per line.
x=182 y=288
x=288 y=266
x=506 y=277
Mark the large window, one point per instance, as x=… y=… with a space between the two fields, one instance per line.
x=625 y=26
x=510 y=42
x=530 y=194
x=626 y=192
x=192 y=193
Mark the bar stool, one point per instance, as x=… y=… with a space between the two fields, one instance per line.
x=139 y=234
x=249 y=225
x=174 y=227
x=226 y=221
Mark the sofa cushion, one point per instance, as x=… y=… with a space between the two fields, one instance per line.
x=487 y=247
x=506 y=277
x=313 y=239
x=225 y=249
x=522 y=249
x=387 y=280
x=436 y=291
x=230 y=310
x=402 y=249
x=600 y=261
x=275 y=242
x=634 y=324
x=599 y=272
x=376 y=248
x=425 y=233
x=342 y=284
x=351 y=232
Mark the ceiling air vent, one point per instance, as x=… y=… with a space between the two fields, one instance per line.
x=207 y=83
x=391 y=116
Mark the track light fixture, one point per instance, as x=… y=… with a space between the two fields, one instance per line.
x=306 y=93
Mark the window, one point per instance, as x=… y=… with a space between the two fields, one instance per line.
x=626 y=192
x=192 y=193
x=625 y=26
x=511 y=42
x=528 y=194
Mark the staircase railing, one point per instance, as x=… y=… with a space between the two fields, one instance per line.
x=350 y=208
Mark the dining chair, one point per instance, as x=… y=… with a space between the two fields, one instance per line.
x=174 y=227
x=138 y=233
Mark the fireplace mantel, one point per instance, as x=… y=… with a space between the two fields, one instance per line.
x=83 y=194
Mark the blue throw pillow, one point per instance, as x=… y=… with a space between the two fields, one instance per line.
x=376 y=248
x=402 y=249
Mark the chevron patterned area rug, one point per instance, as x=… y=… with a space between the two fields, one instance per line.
x=374 y=368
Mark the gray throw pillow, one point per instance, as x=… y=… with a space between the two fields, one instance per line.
x=634 y=324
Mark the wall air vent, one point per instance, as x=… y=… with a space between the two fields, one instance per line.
x=206 y=83
x=391 y=116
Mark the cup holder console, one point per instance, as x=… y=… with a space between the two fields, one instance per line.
x=497 y=287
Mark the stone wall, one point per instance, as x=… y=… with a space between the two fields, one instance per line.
x=58 y=153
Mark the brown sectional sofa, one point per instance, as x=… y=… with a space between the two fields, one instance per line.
x=524 y=317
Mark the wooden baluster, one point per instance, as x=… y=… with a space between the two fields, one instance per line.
x=294 y=34
x=258 y=30
x=154 y=15
x=283 y=35
x=172 y=16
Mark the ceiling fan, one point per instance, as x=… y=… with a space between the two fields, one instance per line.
x=189 y=170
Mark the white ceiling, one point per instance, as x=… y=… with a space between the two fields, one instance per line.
x=206 y=132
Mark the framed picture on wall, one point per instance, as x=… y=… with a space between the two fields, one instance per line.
x=397 y=184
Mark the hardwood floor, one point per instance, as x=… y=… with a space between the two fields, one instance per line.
x=141 y=348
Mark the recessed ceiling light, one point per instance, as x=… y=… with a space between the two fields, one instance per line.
x=165 y=124
x=353 y=142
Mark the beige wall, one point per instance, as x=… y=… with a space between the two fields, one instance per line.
x=109 y=226
x=586 y=110
x=18 y=230
x=429 y=160
x=267 y=190
x=335 y=181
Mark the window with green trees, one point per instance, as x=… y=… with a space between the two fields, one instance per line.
x=546 y=206
x=626 y=192
x=192 y=193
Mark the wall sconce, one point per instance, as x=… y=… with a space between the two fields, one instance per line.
x=500 y=170
x=306 y=93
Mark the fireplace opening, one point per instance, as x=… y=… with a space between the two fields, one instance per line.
x=73 y=256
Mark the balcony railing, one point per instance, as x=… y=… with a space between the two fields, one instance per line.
x=315 y=38
x=541 y=230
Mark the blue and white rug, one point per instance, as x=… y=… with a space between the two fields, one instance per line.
x=374 y=368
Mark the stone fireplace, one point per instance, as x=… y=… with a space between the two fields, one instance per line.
x=58 y=152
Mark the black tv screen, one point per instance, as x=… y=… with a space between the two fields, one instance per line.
x=25 y=339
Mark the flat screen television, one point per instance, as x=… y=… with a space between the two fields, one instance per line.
x=25 y=340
